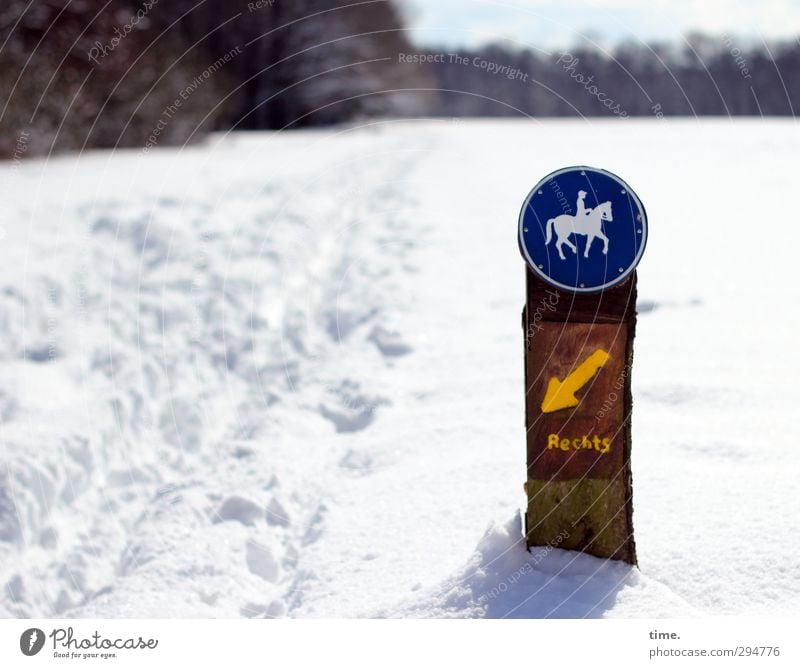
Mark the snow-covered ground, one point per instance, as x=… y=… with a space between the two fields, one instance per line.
x=281 y=375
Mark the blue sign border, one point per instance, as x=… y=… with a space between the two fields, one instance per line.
x=571 y=288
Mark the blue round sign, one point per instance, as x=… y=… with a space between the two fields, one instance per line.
x=582 y=229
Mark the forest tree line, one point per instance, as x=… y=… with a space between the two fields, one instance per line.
x=78 y=74
x=703 y=76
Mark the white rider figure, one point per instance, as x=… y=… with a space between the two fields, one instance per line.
x=581 y=205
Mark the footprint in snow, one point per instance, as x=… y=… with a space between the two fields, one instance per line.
x=388 y=342
x=239 y=509
x=261 y=562
x=357 y=463
x=349 y=409
x=276 y=514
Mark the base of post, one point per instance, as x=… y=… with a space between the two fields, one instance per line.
x=584 y=515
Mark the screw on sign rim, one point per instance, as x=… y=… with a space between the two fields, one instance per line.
x=641 y=217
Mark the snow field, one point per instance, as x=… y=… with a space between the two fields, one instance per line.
x=281 y=375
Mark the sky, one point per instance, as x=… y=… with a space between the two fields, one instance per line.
x=548 y=23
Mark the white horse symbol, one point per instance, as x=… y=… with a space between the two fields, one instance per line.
x=589 y=224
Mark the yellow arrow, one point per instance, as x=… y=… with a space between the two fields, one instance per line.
x=561 y=394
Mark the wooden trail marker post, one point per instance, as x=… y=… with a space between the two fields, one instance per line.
x=582 y=231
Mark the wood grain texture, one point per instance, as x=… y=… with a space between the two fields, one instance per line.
x=579 y=488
